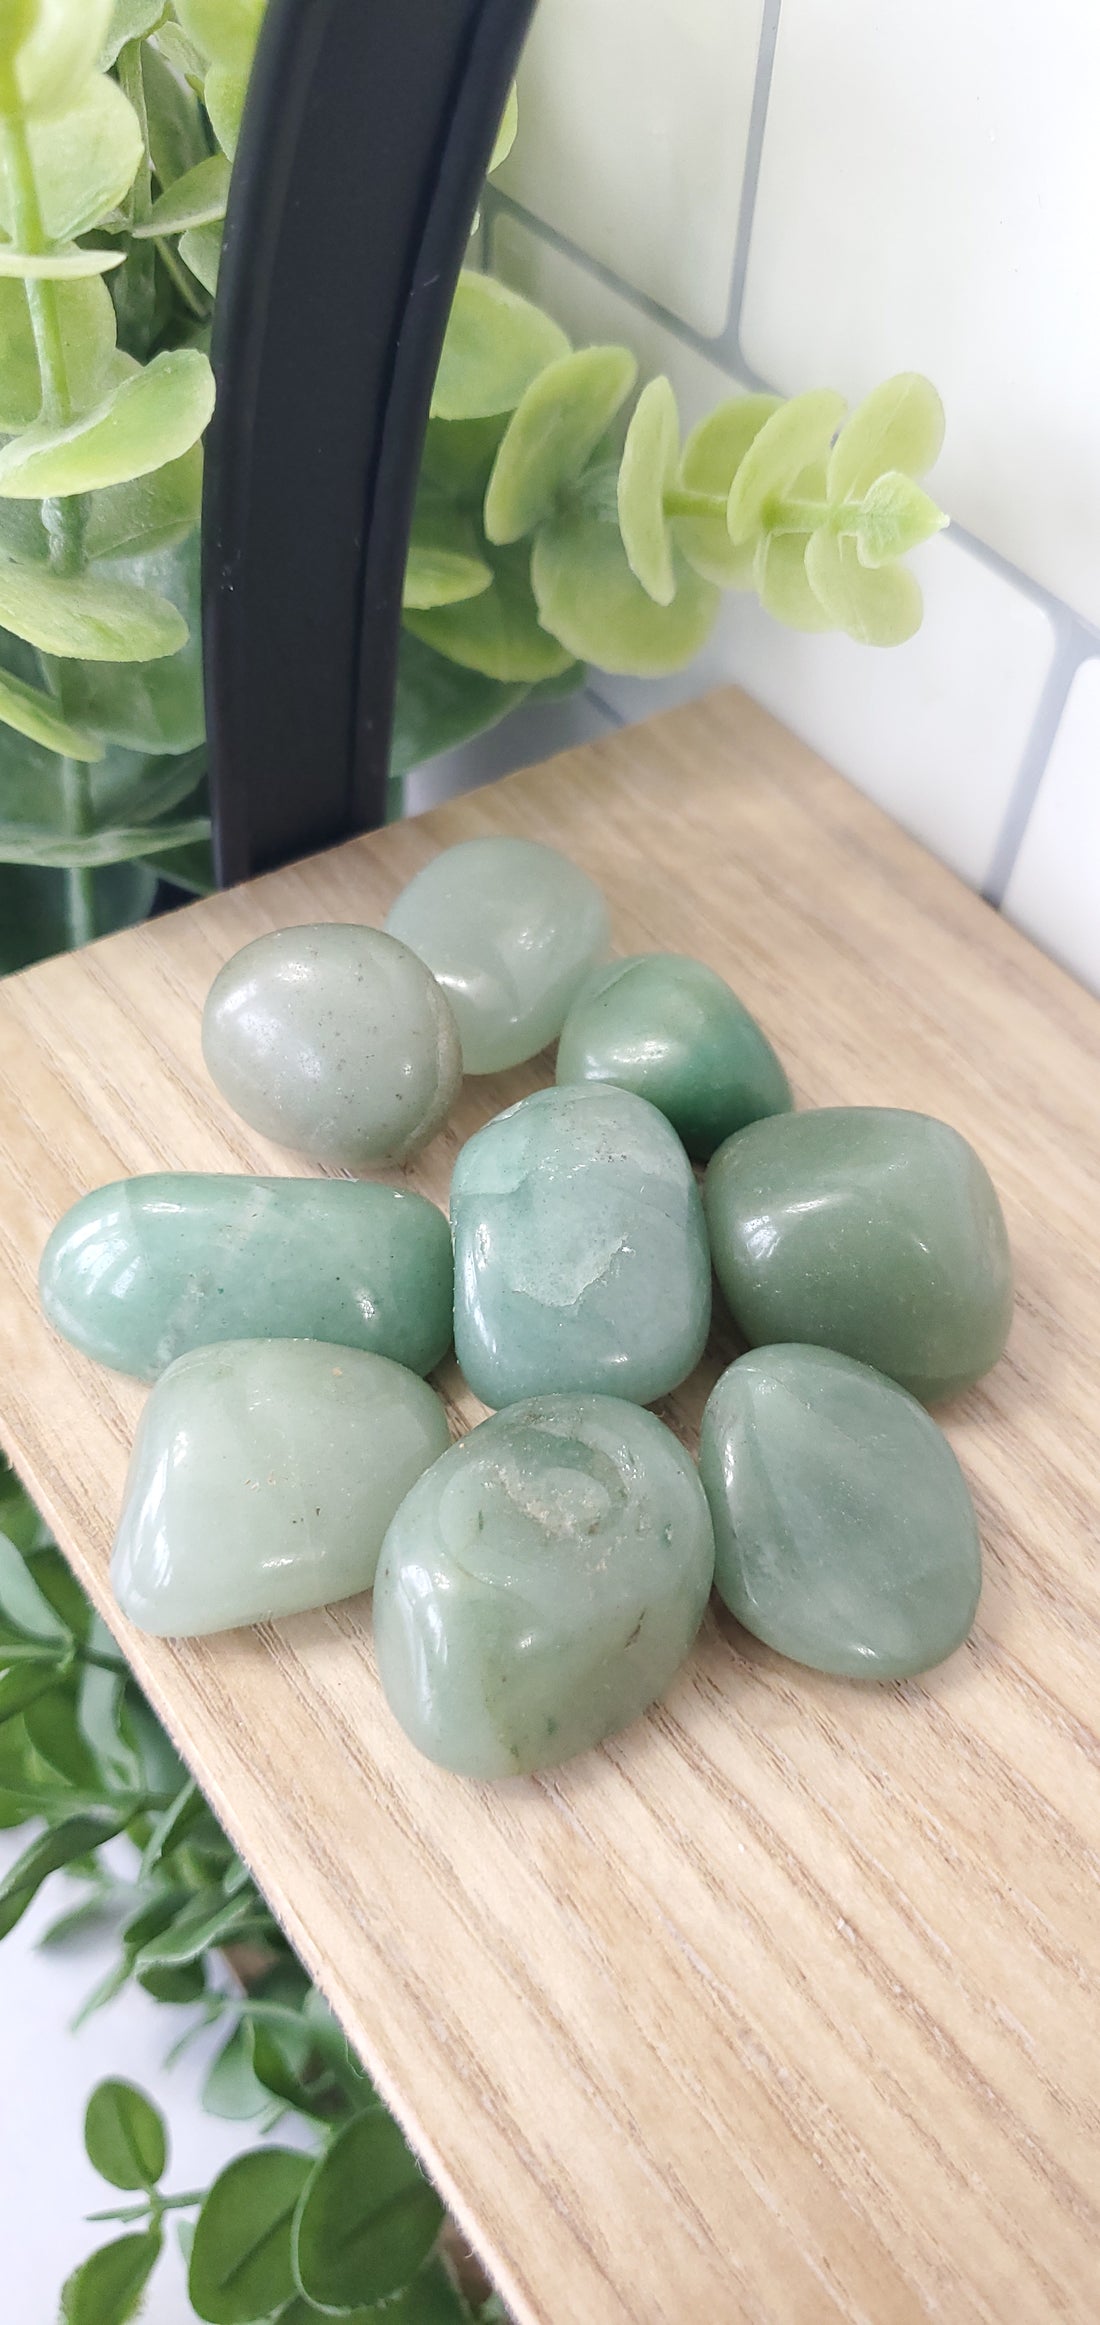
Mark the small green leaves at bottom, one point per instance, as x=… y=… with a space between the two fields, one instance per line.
x=99 y=621
x=875 y=608
x=796 y=437
x=367 y=2219
x=590 y=599
x=712 y=456
x=498 y=633
x=124 y=2136
x=650 y=459
x=240 y=2265
x=152 y=417
x=496 y=344
x=107 y=2289
x=899 y=425
x=36 y=715
x=552 y=435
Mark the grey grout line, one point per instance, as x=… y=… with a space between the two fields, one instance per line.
x=1071 y=649
x=729 y=346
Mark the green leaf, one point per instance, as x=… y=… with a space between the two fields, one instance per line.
x=125 y=2136
x=191 y=868
x=272 y=2070
x=222 y=29
x=149 y=419
x=232 y=2089
x=74 y=1838
x=19 y=1687
x=649 y=464
x=241 y=2257
x=34 y=909
x=104 y=621
x=498 y=633
x=86 y=319
x=56 y=47
x=103 y=1693
x=552 y=435
x=440 y=704
x=118 y=844
x=107 y=2289
x=895 y=516
x=151 y=707
x=783 y=585
x=185 y=1984
x=507 y=133
x=899 y=425
x=712 y=456
x=56 y=265
x=53 y=1727
x=55 y=1582
x=35 y=714
x=205 y=1921
x=444 y=565
x=197 y=199
x=22 y=1602
x=496 y=344
x=795 y=437
x=130 y=20
x=154 y=512
x=85 y=160
x=224 y=92
x=178 y=138
x=201 y=250
x=877 y=609
x=171 y=1827
x=590 y=599
x=368 y=2218
x=458 y=457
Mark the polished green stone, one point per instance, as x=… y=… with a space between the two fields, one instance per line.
x=263 y=1478
x=671 y=1030
x=510 y=929
x=541 y=1585
x=335 y=1041
x=581 y=1258
x=868 y=1230
x=844 y=1531
x=138 y=1272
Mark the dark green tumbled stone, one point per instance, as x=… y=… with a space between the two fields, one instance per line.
x=844 y=1531
x=868 y=1230
x=139 y=1272
x=671 y=1030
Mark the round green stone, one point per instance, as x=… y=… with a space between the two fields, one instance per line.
x=581 y=1260
x=510 y=929
x=138 y=1272
x=335 y=1041
x=868 y=1230
x=263 y=1478
x=541 y=1584
x=845 y=1535
x=672 y=1031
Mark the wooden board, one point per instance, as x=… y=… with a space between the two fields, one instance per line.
x=781 y=2008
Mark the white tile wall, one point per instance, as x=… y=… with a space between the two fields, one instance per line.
x=915 y=183
x=636 y=122
x=1054 y=889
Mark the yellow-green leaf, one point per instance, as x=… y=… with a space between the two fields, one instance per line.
x=783 y=585
x=84 y=160
x=796 y=436
x=877 y=609
x=57 y=45
x=154 y=512
x=435 y=576
x=649 y=463
x=496 y=344
x=589 y=598
x=148 y=420
x=224 y=93
x=198 y=199
x=130 y=20
x=37 y=716
x=895 y=516
x=222 y=28
x=87 y=320
x=498 y=632
x=44 y=266
x=552 y=435
x=201 y=250
x=712 y=456
x=86 y=617
x=506 y=134
x=899 y=425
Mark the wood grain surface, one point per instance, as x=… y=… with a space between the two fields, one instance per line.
x=781 y=2008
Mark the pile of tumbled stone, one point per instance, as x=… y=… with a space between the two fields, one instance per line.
x=538 y=1584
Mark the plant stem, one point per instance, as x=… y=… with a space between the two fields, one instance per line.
x=680 y=503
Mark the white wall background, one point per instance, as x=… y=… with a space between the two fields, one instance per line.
x=792 y=193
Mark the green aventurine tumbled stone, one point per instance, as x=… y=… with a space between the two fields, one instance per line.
x=263 y=1478
x=541 y=1584
x=869 y=1230
x=509 y=928
x=844 y=1531
x=581 y=1258
x=671 y=1030
x=333 y=1040
x=139 y=1272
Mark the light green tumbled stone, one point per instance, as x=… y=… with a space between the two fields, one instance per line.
x=844 y=1531
x=510 y=928
x=263 y=1478
x=581 y=1258
x=541 y=1585
x=868 y=1230
x=138 y=1272
x=671 y=1030
x=333 y=1040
